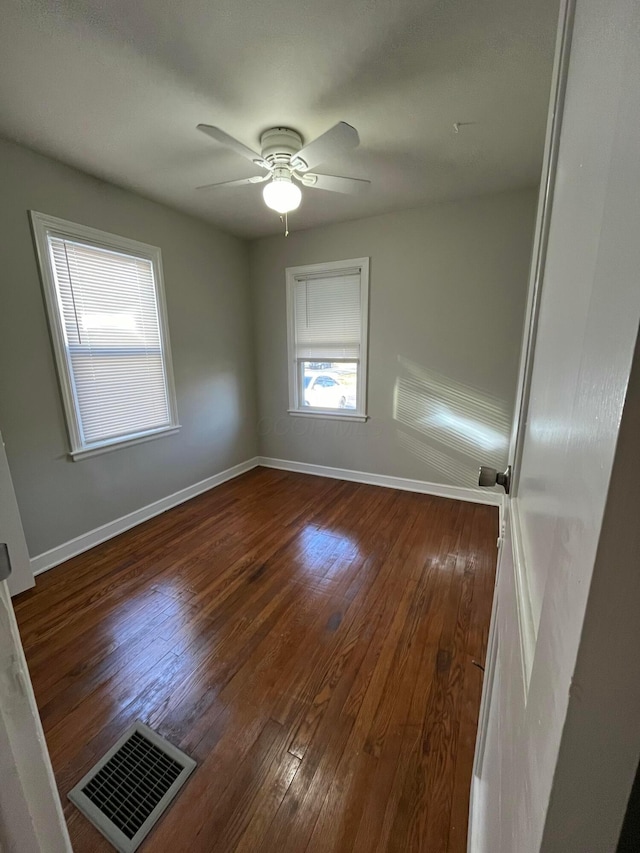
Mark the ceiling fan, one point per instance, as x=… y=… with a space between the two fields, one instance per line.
x=286 y=161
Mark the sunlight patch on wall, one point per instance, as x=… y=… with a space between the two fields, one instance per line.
x=462 y=473
x=451 y=426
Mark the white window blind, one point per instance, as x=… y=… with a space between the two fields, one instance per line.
x=108 y=318
x=328 y=317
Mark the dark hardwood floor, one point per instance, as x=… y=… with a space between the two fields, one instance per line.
x=310 y=642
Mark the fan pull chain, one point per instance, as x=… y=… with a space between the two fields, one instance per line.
x=285 y=219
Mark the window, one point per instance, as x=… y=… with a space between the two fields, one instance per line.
x=105 y=302
x=327 y=313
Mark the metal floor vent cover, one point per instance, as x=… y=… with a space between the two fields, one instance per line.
x=128 y=790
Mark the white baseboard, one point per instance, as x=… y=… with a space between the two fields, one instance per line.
x=82 y=543
x=459 y=493
x=107 y=531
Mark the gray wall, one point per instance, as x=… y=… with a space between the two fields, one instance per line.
x=441 y=380
x=447 y=296
x=206 y=280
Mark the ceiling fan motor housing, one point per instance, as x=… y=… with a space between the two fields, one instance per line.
x=279 y=145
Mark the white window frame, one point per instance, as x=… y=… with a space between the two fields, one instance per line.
x=44 y=226
x=296 y=403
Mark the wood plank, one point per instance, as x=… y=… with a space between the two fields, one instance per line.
x=309 y=641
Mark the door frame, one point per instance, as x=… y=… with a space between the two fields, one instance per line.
x=30 y=807
x=508 y=519
x=541 y=235
x=31 y=817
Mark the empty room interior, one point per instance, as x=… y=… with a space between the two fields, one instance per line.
x=319 y=404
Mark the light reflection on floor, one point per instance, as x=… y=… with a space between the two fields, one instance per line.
x=174 y=631
x=322 y=554
x=185 y=628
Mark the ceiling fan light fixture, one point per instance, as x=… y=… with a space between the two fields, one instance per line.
x=281 y=194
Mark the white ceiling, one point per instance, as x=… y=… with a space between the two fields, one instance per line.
x=117 y=87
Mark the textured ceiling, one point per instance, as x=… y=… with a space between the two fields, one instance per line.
x=116 y=88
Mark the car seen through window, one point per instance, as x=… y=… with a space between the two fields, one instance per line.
x=330 y=390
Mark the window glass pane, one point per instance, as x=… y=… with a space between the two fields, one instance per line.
x=329 y=384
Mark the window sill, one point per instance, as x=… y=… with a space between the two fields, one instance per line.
x=120 y=443
x=330 y=416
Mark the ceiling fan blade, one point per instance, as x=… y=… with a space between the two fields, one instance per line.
x=335 y=141
x=334 y=184
x=233 y=143
x=256 y=179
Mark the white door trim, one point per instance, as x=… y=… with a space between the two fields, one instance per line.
x=31 y=818
x=541 y=233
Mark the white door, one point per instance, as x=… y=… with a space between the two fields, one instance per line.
x=31 y=819
x=583 y=328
